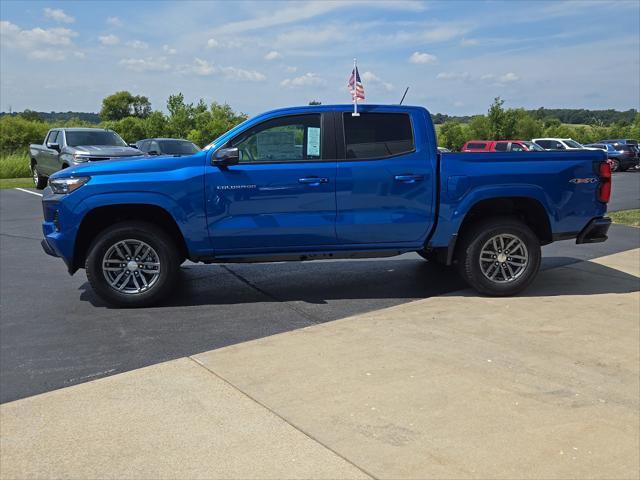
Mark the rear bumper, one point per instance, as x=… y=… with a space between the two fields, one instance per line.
x=595 y=231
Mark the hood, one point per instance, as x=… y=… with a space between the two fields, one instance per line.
x=106 y=151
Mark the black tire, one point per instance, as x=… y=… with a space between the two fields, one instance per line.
x=39 y=181
x=477 y=273
x=165 y=252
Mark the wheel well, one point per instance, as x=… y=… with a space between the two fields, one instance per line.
x=529 y=210
x=101 y=218
x=64 y=165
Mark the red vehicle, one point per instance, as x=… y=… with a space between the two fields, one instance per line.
x=500 y=146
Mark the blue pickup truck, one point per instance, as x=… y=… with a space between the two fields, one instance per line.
x=317 y=182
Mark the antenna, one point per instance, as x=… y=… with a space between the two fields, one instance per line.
x=405 y=94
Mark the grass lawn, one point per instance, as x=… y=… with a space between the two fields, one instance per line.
x=627 y=217
x=16 y=182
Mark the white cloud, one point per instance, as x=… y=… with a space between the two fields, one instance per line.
x=35 y=39
x=373 y=79
x=509 y=77
x=301 y=11
x=212 y=43
x=453 y=76
x=138 y=44
x=109 y=40
x=291 y=69
x=168 y=50
x=58 y=15
x=114 y=21
x=200 y=67
x=149 y=64
x=422 y=58
x=240 y=74
x=204 y=68
x=272 y=55
x=79 y=54
x=306 y=80
x=301 y=37
x=469 y=42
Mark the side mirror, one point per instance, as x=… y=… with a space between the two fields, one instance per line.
x=133 y=145
x=226 y=156
x=54 y=146
x=153 y=152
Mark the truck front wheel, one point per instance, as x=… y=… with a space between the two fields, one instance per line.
x=39 y=181
x=499 y=256
x=132 y=264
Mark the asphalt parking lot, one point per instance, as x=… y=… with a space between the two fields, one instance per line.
x=54 y=332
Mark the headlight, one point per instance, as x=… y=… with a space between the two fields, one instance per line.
x=67 y=185
x=80 y=158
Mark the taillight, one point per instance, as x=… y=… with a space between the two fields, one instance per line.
x=604 y=191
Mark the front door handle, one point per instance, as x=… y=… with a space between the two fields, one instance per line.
x=409 y=178
x=313 y=181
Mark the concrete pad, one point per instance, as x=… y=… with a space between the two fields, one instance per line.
x=543 y=385
x=172 y=420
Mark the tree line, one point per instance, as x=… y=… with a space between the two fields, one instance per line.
x=511 y=124
x=133 y=118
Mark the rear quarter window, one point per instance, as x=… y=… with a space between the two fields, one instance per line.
x=377 y=135
x=476 y=146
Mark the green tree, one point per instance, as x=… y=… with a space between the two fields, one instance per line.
x=479 y=127
x=16 y=133
x=155 y=125
x=451 y=136
x=123 y=104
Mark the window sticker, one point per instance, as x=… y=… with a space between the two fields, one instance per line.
x=313 y=141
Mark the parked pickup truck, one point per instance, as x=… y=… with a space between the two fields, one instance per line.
x=316 y=182
x=66 y=147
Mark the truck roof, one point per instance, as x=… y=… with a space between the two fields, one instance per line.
x=80 y=129
x=347 y=106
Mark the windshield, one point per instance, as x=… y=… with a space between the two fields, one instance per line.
x=178 y=147
x=573 y=144
x=533 y=147
x=98 y=137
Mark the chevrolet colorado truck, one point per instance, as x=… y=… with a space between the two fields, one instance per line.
x=317 y=182
x=66 y=147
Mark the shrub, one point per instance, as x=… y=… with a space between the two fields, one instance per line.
x=15 y=165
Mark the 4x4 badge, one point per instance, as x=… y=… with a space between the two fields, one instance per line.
x=584 y=180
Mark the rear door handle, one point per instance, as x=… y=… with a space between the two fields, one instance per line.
x=409 y=178
x=313 y=181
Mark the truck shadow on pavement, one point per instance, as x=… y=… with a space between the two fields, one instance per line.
x=371 y=284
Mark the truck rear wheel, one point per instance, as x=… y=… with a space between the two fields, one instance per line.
x=39 y=181
x=499 y=256
x=132 y=264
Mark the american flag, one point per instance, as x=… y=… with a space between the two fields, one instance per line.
x=355 y=86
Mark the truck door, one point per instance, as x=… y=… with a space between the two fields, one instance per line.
x=385 y=186
x=282 y=193
x=48 y=158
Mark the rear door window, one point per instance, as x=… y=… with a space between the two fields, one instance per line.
x=501 y=146
x=377 y=135
x=476 y=146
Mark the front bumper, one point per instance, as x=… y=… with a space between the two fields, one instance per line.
x=595 y=231
x=48 y=249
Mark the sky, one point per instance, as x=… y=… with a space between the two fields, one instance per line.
x=455 y=56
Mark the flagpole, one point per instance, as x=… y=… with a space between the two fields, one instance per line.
x=355 y=89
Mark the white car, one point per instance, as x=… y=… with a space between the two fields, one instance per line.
x=560 y=144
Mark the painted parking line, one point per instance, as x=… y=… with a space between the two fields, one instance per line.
x=28 y=191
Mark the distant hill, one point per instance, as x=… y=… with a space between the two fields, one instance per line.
x=576 y=116
x=52 y=117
